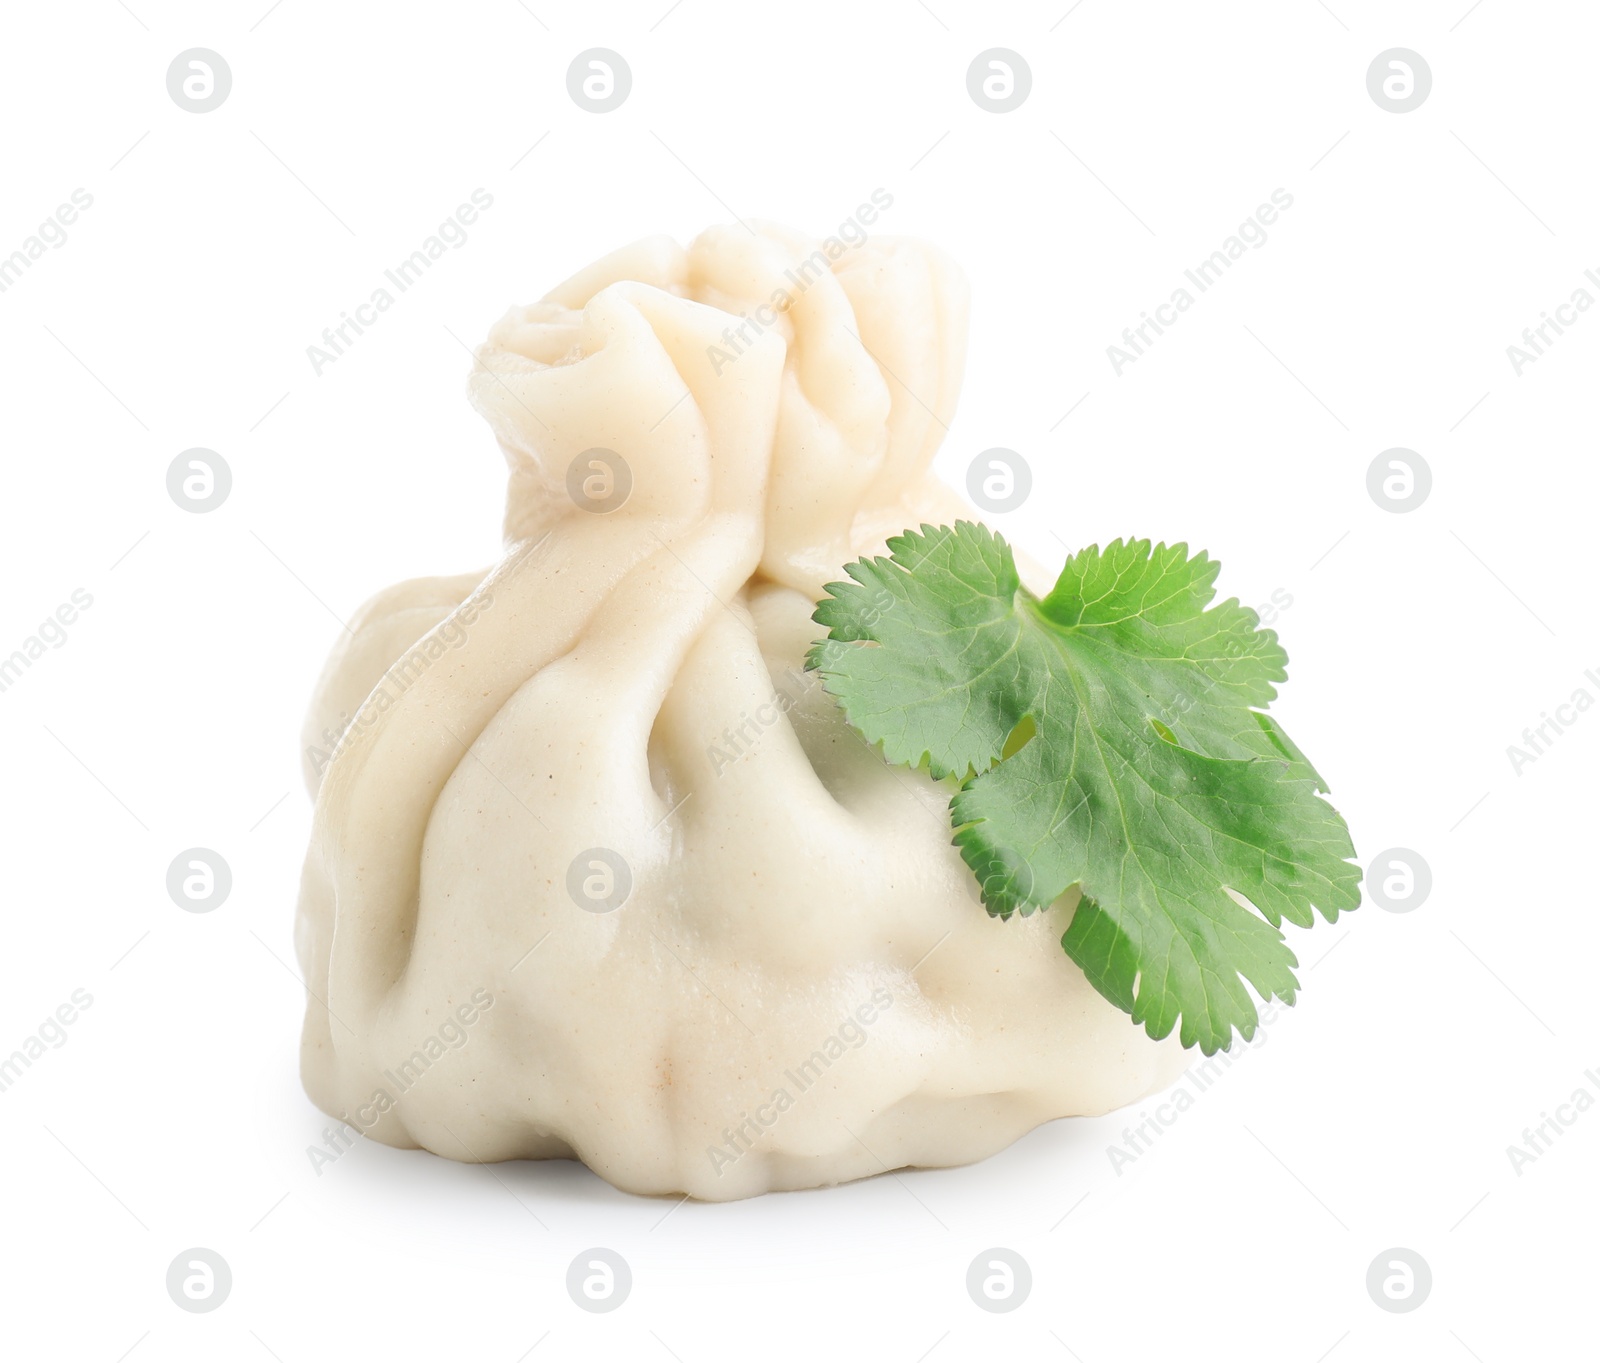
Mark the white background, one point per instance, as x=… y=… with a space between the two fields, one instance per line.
x=1377 y=1113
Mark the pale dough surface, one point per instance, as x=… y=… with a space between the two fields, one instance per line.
x=633 y=681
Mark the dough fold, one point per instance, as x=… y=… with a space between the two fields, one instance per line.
x=799 y=986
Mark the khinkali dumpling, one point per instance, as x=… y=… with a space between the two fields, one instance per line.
x=598 y=871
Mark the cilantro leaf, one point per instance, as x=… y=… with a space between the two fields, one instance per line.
x=1109 y=736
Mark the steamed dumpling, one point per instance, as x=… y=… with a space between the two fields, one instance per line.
x=798 y=985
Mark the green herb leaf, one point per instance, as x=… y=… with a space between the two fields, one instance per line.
x=1109 y=736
